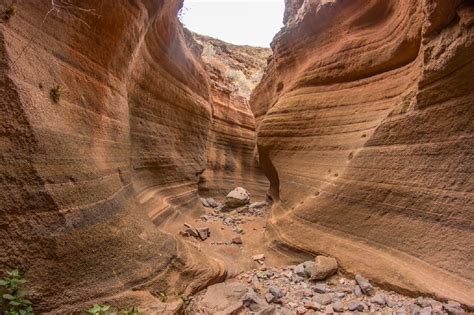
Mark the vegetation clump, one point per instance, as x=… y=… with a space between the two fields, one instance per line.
x=56 y=92
x=97 y=309
x=14 y=297
x=9 y=12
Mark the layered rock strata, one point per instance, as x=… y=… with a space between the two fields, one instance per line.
x=365 y=130
x=232 y=161
x=131 y=119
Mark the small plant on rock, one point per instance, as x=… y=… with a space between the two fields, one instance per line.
x=131 y=311
x=186 y=299
x=14 y=297
x=97 y=309
x=56 y=92
x=9 y=12
x=163 y=296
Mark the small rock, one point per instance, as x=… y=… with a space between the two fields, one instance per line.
x=453 y=308
x=258 y=257
x=253 y=301
x=269 y=297
x=308 y=293
x=323 y=268
x=277 y=292
x=424 y=302
x=320 y=288
x=301 y=310
x=379 y=299
x=357 y=291
x=323 y=299
x=329 y=310
x=338 y=307
x=237 y=198
x=258 y=205
x=192 y=232
x=454 y=303
x=292 y=304
x=426 y=311
x=212 y=203
x=340 y=295
x=365 y=285
x=205 y=203
x=203 y=233
x=310 y=305
x=237 y=240
x=355 y=306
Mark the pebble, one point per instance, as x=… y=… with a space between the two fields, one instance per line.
x=364 y=285
x=379 y=299
x=338 y=307
x=320 y=288
x=355 y=306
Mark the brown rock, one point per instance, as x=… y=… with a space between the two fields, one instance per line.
x=323 y=268
x=237 y=240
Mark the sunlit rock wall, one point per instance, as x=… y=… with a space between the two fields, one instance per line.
x=365 y=129
x=133 y=120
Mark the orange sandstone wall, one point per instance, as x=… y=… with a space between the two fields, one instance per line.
x=365 y=129
x=133 y=120
x=234 y=71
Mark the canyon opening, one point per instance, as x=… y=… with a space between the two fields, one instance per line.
x=159 y=157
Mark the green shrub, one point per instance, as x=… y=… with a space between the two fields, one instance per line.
x=14 y=297
x=9 y=12
x=163 y=296
x=131 y=311
x=97 y=309
x=56 y=92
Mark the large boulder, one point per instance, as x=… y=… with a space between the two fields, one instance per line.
x=237 y=198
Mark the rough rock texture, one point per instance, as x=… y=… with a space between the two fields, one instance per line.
x=133 y=120
x=234 y=72
x=365 y=130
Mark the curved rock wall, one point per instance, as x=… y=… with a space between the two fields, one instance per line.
x=133 y=119
x=365 y=129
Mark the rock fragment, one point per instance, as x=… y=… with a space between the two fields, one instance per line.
x=237 y=198
x=203 y=233
x=237 y=240
x=355 y=306
x=453 y=308
x=338 y=307
x=379 y=299
x=364 y=285
x=277 y=292
x=320 y=288
x=323 y=267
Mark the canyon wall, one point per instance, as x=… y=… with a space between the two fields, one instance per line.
x=234 y=72
x=127 y=137
x=365 y=130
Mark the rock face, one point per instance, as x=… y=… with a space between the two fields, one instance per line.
x=234 y=71
x=127 y=136
x=365 y=130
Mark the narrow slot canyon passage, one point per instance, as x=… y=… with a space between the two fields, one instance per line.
x=237 y=157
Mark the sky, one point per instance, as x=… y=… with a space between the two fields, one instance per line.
x=241 y=22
